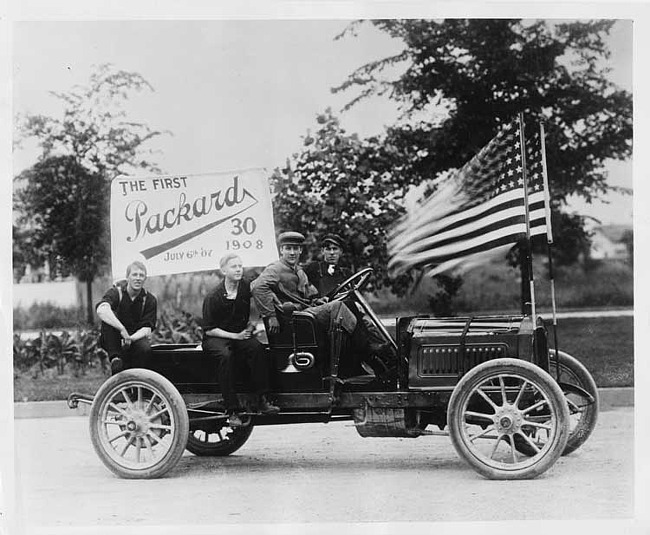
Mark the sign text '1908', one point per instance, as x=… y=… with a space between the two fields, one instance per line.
x=235 y=245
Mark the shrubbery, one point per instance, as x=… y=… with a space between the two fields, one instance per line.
x=48 y=316
x=73 y=348
x=76 y=351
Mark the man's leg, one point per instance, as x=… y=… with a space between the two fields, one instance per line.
x=327 y=316
x=259 y=365
x=111 y=342
x=138 y=354
x=221 y=349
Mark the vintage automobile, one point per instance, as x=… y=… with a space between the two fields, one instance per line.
x=511 y=405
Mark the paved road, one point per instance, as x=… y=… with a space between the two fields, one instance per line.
x=313 y=473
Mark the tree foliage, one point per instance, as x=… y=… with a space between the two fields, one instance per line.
x=62 y=201
x=462 y=78
x=94 y=127
x=343 y=184
x=62 y=208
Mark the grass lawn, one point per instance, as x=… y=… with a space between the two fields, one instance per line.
x=55 y=387
x=604 y=345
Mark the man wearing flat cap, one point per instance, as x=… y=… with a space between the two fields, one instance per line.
x=284 y=287
x=327 y=274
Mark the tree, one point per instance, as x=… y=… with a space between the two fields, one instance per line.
x=81 y=152
x=340 y=183
x=63 y=207
x=94 y=128
x=463 y=78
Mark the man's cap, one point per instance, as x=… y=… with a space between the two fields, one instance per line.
x=291 y=238
x=332 y=238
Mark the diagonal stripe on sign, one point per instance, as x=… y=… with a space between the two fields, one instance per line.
x=161 y=248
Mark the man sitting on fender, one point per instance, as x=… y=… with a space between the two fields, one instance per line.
x=283 y=286
x=128 y=313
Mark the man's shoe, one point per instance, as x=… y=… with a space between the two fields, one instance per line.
x=116 y=365
x=267 y=408
x=234 y=420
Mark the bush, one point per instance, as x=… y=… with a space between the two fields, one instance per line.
x=74 y=351
x=177 y=326
x=48 y=316
x=78 y=350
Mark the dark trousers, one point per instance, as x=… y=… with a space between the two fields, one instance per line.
x=137 y=355
x=233 y=355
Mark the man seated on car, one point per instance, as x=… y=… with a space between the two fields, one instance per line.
x=327 y=274
x=283 y=287
x=228 y=338
x=128 y=313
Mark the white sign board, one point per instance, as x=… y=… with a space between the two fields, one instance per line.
x=185 y=223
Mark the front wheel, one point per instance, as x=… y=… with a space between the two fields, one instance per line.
x=139 y=424
x=501 y=401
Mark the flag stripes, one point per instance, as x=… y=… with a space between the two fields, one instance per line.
x=478 y=213
x=535 y=175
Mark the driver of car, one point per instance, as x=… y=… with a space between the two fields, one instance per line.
x=283 y=287
x=327 y=274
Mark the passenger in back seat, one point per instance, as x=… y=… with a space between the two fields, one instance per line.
x=228 y=336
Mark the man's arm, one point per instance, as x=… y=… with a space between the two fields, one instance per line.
x=106 y=314
x=220 y=333
x=263 y=290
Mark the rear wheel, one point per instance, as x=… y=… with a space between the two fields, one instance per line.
x=583 y=412
x=502 y=400
x=139 y=424
x=217 y=440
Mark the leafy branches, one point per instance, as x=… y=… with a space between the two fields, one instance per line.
x=94 y=128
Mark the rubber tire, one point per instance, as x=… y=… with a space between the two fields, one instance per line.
x=508 y=366
x=172 y=399
x=581 y=376
x=579 y=435
x=222 y=448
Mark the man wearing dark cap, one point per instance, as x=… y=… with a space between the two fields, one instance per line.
x=327 y=274
x=284 y=287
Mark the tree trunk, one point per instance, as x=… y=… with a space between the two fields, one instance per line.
x=90 y=312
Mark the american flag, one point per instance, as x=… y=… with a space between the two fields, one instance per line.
x=473 y=216
x=537 y=187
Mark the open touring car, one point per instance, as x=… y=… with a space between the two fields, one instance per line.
x=511 y=405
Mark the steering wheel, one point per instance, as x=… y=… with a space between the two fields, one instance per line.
x=351 y=284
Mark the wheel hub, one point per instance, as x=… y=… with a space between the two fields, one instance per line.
x=138 y=423
x=508 y=420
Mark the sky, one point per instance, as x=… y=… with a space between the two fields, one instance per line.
x=237 y=94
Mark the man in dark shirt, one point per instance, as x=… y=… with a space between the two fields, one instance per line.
x=228 y=336
x=327 y=274
x=128 y=313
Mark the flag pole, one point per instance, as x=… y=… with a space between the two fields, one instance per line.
x=549 y=242
x=529 y=248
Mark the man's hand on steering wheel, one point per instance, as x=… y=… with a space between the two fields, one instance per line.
x=351 y=284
